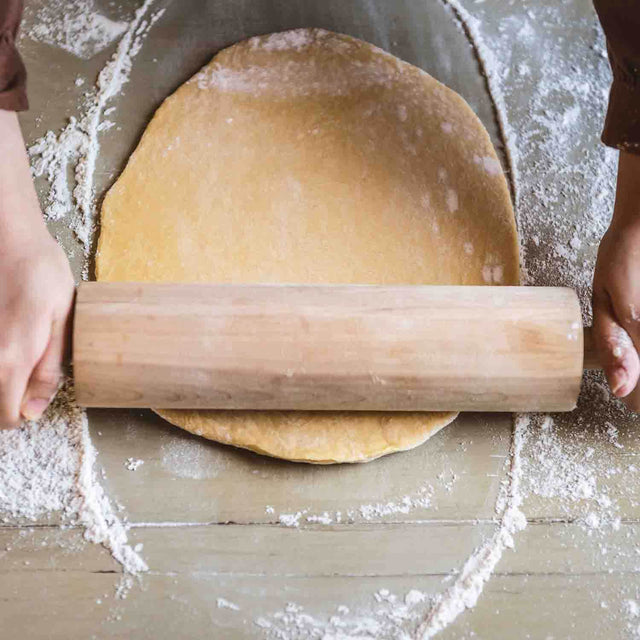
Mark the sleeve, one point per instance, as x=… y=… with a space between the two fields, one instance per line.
x=13 y=75
x=621 y=23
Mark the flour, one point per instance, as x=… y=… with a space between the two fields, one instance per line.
x=300 y=75
x=189 y=459
x=571 y=459
x=490 y=165
x=297 y=40
x=390 y=617
x=491 y=69
x=133 y=464
x=73 y=25
x=420 y=498
x=226 y=604
x=75 y=149
x=47 y=467
x=38 y=463
x=477 y=570
x=291 y=519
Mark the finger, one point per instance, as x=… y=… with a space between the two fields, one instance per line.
x=627 y=316
x=46 y=376
x=13 y=383
x=617 y=351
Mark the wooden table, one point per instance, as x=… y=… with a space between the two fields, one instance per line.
x=212 y=520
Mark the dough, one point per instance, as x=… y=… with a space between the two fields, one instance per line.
x=311 y=157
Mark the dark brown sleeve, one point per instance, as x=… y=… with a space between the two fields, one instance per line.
x=13 y=75
x=621 y=23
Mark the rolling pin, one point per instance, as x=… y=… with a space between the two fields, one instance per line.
x=333 y=347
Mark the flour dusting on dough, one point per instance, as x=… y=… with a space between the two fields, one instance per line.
x=452 y=200
x=489 y=164
x=296 y=39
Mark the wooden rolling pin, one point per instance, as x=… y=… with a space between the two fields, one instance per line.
x=381 y=348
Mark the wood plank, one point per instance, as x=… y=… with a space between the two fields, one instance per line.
x=261 y=567
x=80 y=606
x=428 y=548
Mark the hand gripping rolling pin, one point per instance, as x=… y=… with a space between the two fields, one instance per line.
x=333 y=347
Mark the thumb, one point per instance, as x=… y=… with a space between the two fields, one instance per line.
x=45 y=378
x=615 y=347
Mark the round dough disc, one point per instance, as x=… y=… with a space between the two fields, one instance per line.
x=311 y=157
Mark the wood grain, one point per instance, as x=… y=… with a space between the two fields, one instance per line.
x=351 y=347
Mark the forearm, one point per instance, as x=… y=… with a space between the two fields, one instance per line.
x=20 y=218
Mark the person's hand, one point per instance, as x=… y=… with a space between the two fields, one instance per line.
x=616 y=287
x=35 y=301
x=36 y=289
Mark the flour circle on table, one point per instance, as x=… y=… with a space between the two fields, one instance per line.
x=187 y=458
x=311 y=157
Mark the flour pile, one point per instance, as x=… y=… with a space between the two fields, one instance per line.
x=48 y=467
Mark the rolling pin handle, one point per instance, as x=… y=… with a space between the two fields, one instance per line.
x=591 y=357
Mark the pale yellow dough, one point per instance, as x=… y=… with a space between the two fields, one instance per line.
x=311 y=157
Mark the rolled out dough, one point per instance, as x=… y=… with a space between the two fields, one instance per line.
x=311 y=157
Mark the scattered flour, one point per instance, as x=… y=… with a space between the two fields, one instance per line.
x=390 y=617
x=477 y=570
x=291 y=519
x=75 y=149
x=133 y=464
x=415 y=615
x=492 y=273
x=297 y=39
x=73 y=25
x=489 y=164
x=300 y=75
x=420 y=498
x=452 y=200
x=446 y=127
x=226 y=604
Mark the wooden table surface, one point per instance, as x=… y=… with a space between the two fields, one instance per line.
x=211 y=519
